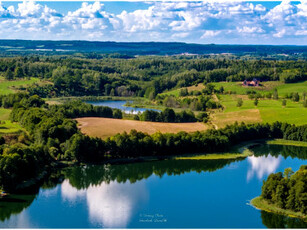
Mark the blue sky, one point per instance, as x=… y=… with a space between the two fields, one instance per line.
x=220 y=22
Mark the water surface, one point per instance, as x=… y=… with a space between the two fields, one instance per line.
x=160 y=194
x=120 y=105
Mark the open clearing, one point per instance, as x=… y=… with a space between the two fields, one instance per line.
x=7 y=87
x=106 y=127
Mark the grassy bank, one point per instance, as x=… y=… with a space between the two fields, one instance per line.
x=287 y=142
x=216 y=156
x=262 y=204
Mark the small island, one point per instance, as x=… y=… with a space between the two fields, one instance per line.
x=284 y=194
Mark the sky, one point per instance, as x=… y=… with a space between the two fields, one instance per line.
x=203 y=22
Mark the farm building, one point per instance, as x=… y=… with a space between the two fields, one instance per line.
x=254 y=82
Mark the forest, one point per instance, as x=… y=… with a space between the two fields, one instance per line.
x=142 y=76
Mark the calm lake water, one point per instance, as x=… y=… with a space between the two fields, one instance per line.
x=120 y=105
x=160 y=194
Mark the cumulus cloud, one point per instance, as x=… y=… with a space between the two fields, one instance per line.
x=201 y=22
x=262 y=166
x=109 y=205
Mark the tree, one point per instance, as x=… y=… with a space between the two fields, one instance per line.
x=288 y=173
x=112 y=92
x=221 y=90
x=183 y=92
x=284 y=102
x=117 y=113
x=239 y=102
x=275 y=94
x=8 y=75
x=305 y=103
x=295 y=97
x=19 y=72
x=304 y=95
x=168 y=115
x=256 y=101
x=268 y=95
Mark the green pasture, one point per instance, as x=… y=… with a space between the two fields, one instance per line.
x=7 y=87
x=265 y=87
x=270 y=110
x=4 y=114
x=9 y=127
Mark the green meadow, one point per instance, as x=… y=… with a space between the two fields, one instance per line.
x=6 y=126
x=269 y=110
x=9 y=127
x=237 y=88
x=7 y=87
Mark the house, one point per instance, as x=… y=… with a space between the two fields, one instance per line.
x=254 y=82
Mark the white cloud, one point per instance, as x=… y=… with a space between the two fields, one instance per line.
x=210 y=33
x=262 y=166
x=109 y=205
x=225 y=21
x=253 y=29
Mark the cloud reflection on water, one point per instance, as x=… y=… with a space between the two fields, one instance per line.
x=109 y=205
x=262 y=166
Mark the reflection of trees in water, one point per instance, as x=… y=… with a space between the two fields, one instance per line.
x=272 y=220
x=16 y=203
x=83 y=177
x=283 y=150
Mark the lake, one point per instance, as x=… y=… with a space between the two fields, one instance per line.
x=120 y=105
x=158 y=194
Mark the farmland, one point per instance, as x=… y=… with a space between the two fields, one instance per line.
x=106 y=127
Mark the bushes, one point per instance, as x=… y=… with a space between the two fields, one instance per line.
x=168 y=115
x=77 y=108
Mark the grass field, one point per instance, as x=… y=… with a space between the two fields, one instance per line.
x=262 y=204
x=9 y=127
x=237 y=87
x=4 y=114
x=268 y=110
x=7 y=87
x=106 y=127
x=222 y=119
x=175 y=92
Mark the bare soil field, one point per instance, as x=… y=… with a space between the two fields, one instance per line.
x=106 y=127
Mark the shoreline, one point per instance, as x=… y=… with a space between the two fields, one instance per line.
x=286 y=142
x=261 y=204
x=238 y=151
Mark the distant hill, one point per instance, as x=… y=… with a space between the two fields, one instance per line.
x=144 y=48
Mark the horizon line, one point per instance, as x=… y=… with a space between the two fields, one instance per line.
x=188 y=43
x=150 y=1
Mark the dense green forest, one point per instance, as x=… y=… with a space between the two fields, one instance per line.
x=287 y=190
x=142 y=76
x=51 y=136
